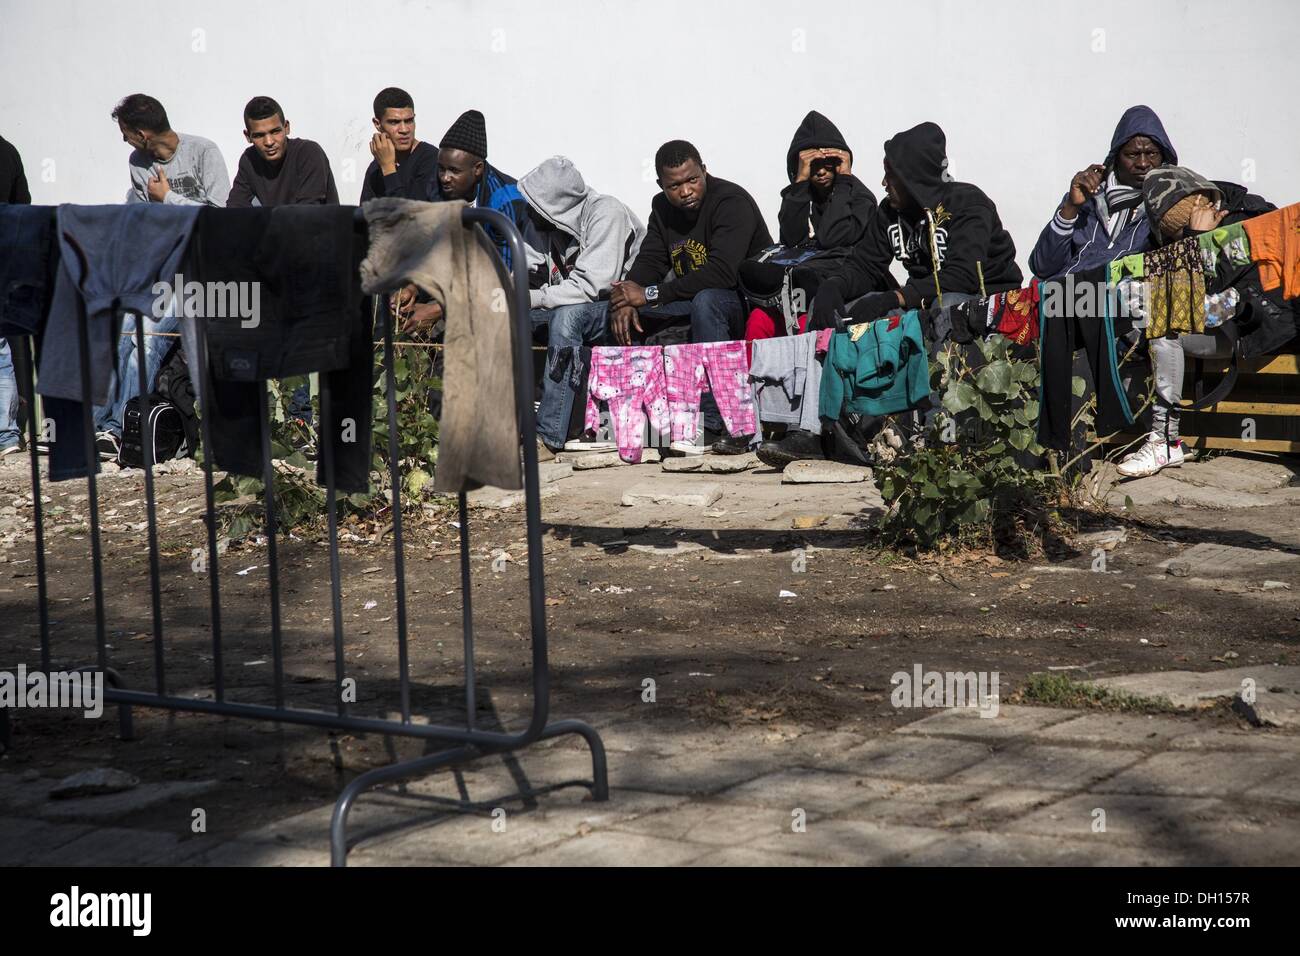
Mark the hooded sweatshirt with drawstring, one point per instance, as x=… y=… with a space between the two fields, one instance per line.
x=1112 y=223
x=603 y=235
x=967 y=231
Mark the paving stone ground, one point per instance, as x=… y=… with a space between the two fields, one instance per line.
x=1032 y=786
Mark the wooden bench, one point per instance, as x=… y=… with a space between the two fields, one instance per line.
x=1267 y=393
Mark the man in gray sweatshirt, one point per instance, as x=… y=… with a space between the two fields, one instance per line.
x=167 y=166
x=586 y=242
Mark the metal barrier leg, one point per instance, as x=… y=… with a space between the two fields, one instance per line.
x=372 y=778
x=599 y=769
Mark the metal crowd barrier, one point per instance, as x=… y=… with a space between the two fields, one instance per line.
x=464 y=743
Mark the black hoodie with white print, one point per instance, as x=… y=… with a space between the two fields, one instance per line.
x=967 y=229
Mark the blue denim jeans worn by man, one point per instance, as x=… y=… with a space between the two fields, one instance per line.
x=713 y=313
x=570 y=327
x=9 y=437
x=108 y=418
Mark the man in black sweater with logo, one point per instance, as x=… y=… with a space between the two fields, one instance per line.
x=924 y=209
x=701 y=228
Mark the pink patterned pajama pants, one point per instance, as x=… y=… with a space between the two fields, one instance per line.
x=628 y=380
x=727 y=368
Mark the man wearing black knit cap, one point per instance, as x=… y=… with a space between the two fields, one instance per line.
x=464 y=173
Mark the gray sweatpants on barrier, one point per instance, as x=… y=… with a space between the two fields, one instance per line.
x=1168 y=362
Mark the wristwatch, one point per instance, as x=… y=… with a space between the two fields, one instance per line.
x=652 y=293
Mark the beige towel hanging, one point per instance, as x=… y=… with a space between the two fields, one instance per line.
x=425 y=243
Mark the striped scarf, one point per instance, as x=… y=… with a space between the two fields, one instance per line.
x=1119 y=205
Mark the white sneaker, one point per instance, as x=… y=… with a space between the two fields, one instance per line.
x=686 y=448
x=8 y=450
x=1154 y=455
x=588 y=444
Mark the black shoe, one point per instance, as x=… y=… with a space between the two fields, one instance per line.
x=797 y=445
x=731 y=445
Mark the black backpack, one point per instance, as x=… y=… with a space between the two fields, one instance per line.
x=164 y=427
x=175 y=387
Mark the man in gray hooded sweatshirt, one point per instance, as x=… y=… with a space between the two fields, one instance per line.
x=586 y=242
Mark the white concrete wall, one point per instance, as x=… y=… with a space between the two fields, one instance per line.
x=1028 y=91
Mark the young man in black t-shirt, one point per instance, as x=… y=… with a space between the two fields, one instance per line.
x=276 y=170
x=403 y=166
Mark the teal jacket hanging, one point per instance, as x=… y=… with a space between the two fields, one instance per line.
x=885 y=371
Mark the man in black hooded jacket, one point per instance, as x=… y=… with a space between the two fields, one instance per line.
x=926 y=215
x=825 y=212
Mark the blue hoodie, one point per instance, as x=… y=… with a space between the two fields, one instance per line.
x=1085 y=243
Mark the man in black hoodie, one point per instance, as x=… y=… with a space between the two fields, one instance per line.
x=825 y=212
x=925 y=217
x=701 y=228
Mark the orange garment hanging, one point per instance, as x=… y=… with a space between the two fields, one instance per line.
x=1275 y=245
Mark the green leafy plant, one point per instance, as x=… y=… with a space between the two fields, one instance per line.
x=299 y=500
x=973 y=470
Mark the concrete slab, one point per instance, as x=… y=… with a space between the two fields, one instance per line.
x=823 y=472
x=1012 y=721
x=1236 y=473
x=591 y=460
x=549 y=471
x=611 y=848
x=1128 y=818
x=681 y=492
x=916 y=758
x=713 y=822
x=1047 y=768
x=1219 y=560
x=1192 y=689
x=501 y=498
x=730 y=464
x=684 y=463
x=997 y=849
x=115 y=846
x=820 y=791
x=1164 y=490
x=95 y=782
x=1105 y=728
x=850 y=842
x=1199 y=773
x=950 y=805
x=746 y=856
x=114 y=805
x=27 y=842
x=1269 y=709
x=1282 y=788
x=237 y=853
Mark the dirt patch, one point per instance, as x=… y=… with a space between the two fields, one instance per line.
x=702 y=614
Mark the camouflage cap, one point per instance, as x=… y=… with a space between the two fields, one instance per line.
x=1166 y=186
